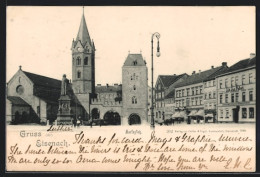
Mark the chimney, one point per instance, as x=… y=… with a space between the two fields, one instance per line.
x=107 y=85
x=199 y=71
x=20 y=67
x=174 y=75
x=224 y=64
x=212 y=67
x=252 y=55
x=115 y=84
x=193 y=72
x=99 y=85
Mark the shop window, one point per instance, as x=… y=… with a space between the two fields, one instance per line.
x=227 y=113
x=244 y=96
x=250 y=95
x=86 y=61
x=251 y=112
x=220 y=99
x=232 y=98
x=226 y=98
x=244 y=113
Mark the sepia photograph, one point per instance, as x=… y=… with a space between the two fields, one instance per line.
x=131 y=88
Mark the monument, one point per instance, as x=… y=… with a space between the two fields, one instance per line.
x=64 y=115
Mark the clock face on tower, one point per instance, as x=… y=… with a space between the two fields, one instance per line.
x=80 y=49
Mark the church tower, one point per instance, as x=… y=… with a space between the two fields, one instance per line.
x=83 y=61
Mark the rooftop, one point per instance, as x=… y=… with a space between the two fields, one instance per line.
x=134 y=60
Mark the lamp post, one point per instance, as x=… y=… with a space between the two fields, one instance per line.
x=157 y=35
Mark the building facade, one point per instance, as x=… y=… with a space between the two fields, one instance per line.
x=135 y=89
x=164 y=101
x=189 y=95
x=236 y=92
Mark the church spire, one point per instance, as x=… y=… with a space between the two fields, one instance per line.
x=83 y=34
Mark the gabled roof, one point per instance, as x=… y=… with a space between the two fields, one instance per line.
x=43 y=81
x=214 y=75
x=168 y=80
x=198 y=77
x=17 y=101
x=106 y=89
x=242 y=64
x=131 y=58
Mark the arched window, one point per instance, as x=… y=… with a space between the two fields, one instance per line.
x=78 y=61
x=134 y=87
x=134 y=100
x=86 y=61
x=79 y=74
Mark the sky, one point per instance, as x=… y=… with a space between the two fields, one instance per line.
x=192 y=38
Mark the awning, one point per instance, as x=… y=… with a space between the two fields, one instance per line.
x=192 y=113
x=200 y=113
x=182 y=114
x=176 y=114
x=209 y=115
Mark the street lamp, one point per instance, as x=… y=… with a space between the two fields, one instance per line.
x=157 y=35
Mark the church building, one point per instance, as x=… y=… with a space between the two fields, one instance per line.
x=32 y=98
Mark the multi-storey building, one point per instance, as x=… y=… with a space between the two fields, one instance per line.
x=189 y=94
x=236 y=92
x=210 y=95
x=164 y=85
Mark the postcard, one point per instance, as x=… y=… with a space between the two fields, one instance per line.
x=131 y=89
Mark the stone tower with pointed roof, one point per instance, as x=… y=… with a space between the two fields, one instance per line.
x=83 y=66
x=83 y=61
x=135 y=89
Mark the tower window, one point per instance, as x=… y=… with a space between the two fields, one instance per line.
x=78 y=61
x=134 y=87
x=134 y=100
x=86 y=61
x=79 y=74
x=135 y=63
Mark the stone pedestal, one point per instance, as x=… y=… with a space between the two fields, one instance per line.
x=64 y=115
